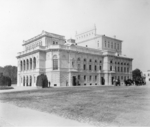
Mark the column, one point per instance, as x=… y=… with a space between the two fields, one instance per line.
x=70 y=79
x=106 y=79
x=110 y=82
x=29 y=64
x=99 y=79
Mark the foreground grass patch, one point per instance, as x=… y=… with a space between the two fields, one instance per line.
x=96 y=104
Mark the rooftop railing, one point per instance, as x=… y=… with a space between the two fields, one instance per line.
x=69 y=48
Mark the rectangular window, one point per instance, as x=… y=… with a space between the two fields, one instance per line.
x=90 y=78
x=112 y=45
x=90 y=68
x=84 y=66
x=78 y=66
x=127 y=69
x=100 y=67
x=95 y=78
x=78 y=77
x=118 y=46
x=95 y=67
x=55 y=64
x=84 y=77
x=110 y=68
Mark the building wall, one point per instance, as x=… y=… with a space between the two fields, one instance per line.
x=147 y=76
x=111 y=44
x=76 y=65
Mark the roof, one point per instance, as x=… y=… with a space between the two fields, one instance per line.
x=44 y=33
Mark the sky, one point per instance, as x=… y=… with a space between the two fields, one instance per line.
x=128 y=20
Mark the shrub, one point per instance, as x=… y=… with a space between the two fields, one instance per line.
x=42 y=81
x=5 y=81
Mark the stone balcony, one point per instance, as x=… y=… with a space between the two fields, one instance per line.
x=31 y=50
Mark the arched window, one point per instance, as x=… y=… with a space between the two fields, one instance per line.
x=24 y=67
x=78 y=59
x=27 y=64
x=55 y=62
x=30 y=63
x=90 y=60
x=34 y=63
x=84 y=60
x=21 y=66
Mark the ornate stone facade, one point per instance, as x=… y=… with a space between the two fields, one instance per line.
x=90 y=59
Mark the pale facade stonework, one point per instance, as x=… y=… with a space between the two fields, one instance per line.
x=85 y=61
x=147 y=76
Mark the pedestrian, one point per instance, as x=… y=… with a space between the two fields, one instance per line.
x=49 y=83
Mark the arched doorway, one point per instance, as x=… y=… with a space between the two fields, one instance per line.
x=74 y=81
x=21 y=66
x=102 y=81
x=112 y=80
x=27 y=64
x=23 y=81
x=27 y=80
x=30 y=80
x=24 y=67
x=30 y=63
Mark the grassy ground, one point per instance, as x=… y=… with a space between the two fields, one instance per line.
x=99 y=104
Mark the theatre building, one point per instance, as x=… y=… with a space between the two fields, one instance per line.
x=89 y=59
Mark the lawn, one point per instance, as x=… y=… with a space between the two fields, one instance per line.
x=99 y=104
